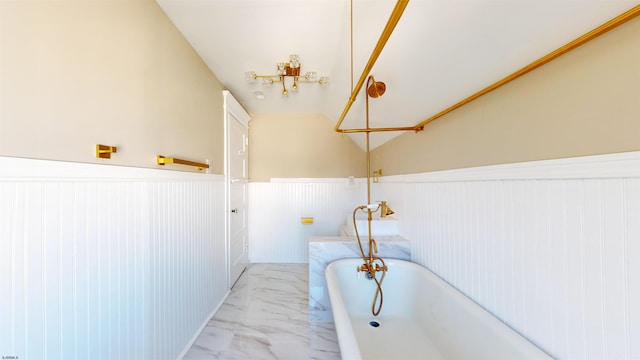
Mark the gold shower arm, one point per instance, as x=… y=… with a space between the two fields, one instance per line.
x=168 y=160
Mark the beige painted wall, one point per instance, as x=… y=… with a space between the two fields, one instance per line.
x=584 y=103
x=75 y=73
x=300 y=145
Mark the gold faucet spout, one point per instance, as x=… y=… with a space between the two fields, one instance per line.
x=385 y=210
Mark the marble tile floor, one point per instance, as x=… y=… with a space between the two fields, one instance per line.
x=266 y=316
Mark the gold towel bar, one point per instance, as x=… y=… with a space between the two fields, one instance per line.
x=168 y=160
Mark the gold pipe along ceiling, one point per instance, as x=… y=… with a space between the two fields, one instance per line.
x=393 y=21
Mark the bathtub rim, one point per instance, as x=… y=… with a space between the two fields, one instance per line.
x=348 y=349
x=344 y=329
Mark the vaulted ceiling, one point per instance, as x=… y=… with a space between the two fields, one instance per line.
x=440 y=52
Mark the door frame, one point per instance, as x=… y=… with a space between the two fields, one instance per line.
x=231 y=108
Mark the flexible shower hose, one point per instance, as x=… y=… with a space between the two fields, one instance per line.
x=369 y=260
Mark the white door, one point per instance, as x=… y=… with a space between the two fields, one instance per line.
x=238 y=242
x=236 y=171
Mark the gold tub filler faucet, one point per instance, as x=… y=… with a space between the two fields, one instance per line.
x=372 y=263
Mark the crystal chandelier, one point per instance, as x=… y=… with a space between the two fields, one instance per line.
x=285 y=71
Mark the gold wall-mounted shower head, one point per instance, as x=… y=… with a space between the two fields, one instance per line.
x=376 y=89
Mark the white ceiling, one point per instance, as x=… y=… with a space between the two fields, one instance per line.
x=440 y=52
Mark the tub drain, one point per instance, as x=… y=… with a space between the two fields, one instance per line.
x=374 y=323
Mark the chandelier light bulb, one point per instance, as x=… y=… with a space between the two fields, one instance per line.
x=250 y=76
x=267 y=82
x=294 y=61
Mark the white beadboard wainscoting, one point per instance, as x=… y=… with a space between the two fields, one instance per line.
x=551 y=247
x=107 y=262
x=276 y=234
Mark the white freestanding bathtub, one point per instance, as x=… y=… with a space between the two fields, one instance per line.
x=422 y=317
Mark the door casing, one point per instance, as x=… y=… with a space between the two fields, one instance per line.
x=234 y=114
